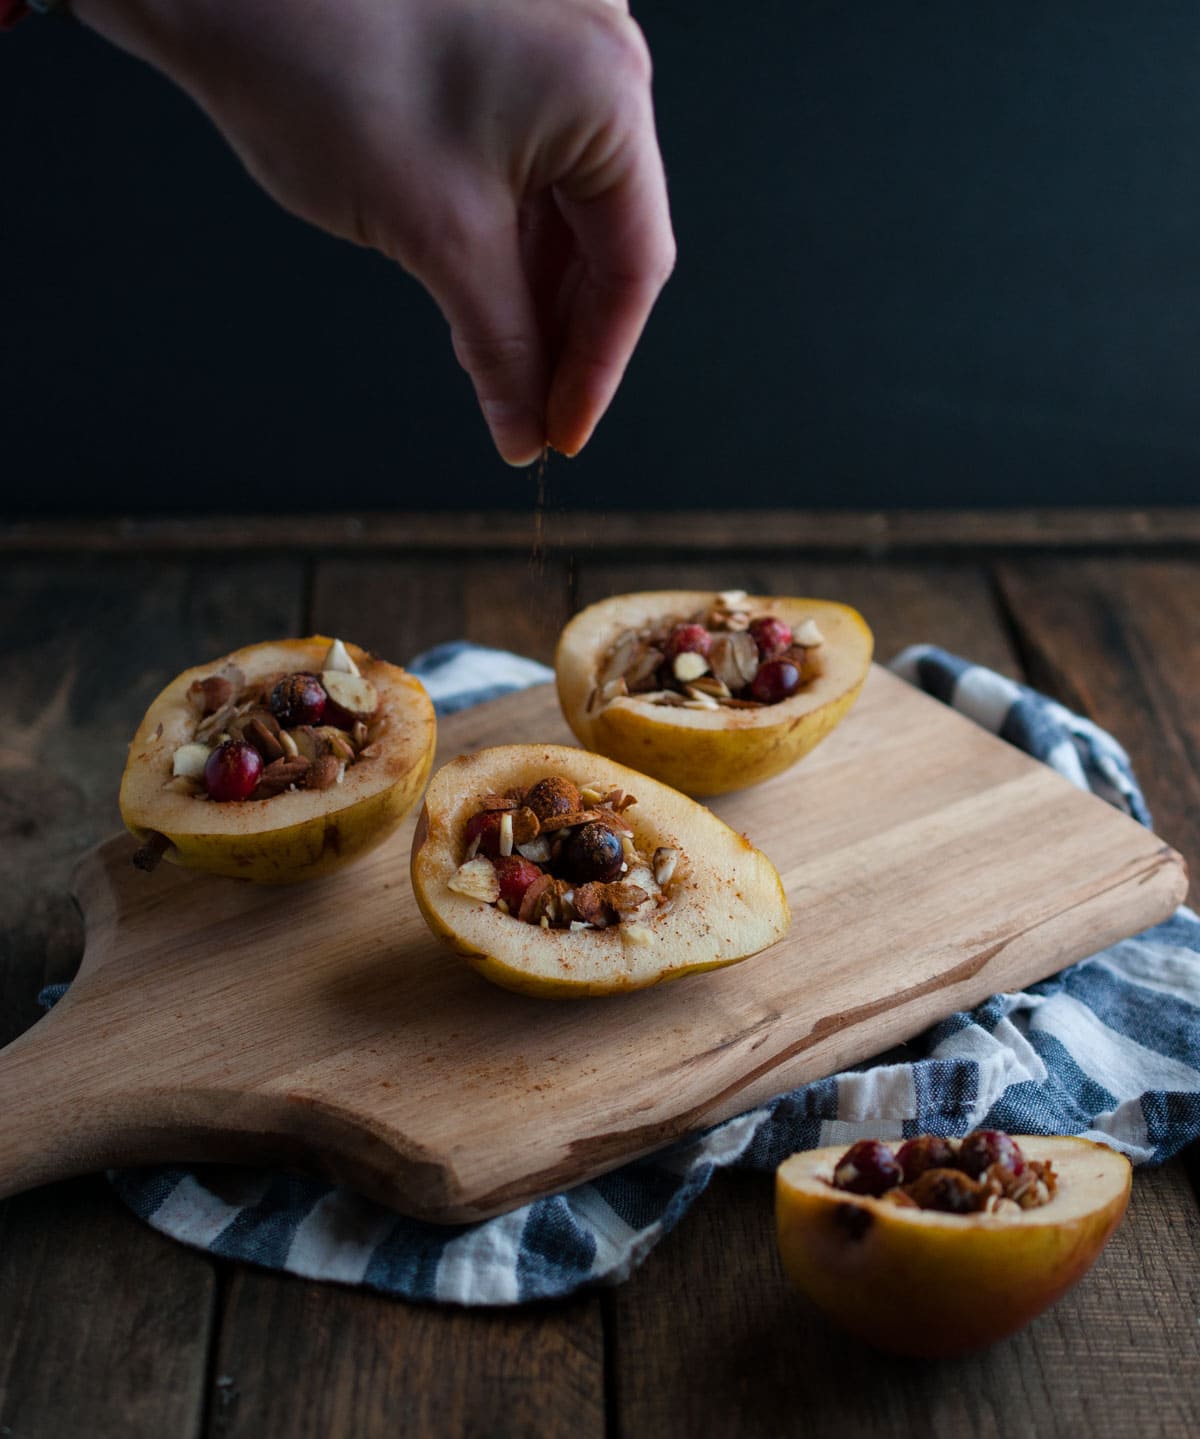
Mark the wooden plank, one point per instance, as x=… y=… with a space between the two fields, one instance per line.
x=103 y=1325
x=904 y=603
x=401 y=606
x=650 y=532
x=710 y=1338
x=1119 y=640
x=307 y=1361
x=358 y=1363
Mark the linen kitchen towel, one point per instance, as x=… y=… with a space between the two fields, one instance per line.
x=1109 y=1049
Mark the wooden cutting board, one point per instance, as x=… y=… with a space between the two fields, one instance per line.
x=322 y=1028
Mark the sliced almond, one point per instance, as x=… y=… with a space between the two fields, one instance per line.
x=506 y=833
x=808 y=635
x=189 y=760
x=339 y=660
x=336 y=741
x=569 y=821
x=476 y=880
x=666 y=859
x=537 y=850
x=731 y=599
x=620 y=657
x=357 y=696
x=290 y=748
x=745 y=656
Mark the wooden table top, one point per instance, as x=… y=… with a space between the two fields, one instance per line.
x=108 y=1328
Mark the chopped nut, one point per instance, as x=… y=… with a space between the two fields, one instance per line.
x=569 y=821
x=290 y=747
x=307 y=744
x=257 y=733
x=476 y=880
x=710 y=685
x=280 y=775
x=506 y=833
x=689 y=666
x=591 y=794
x=665 y=860
x=353 y=694
x=323 y=772
x=215 y=722
x=698 y=700
x=537 y=850
x=731 y=599
x=808 y=634
x=189 y=760
x=358 y=735
x=620 y=657
x=745 y=656
x=209 y=695
x=338 y=658
x=536 y=899
x=336 y=741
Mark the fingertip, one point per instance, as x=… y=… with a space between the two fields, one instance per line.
x=518 y=434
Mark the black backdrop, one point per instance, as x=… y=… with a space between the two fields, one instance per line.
x=929 y=254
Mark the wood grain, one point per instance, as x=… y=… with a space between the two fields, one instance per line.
x=505 y=1098
x=1119 y=640
x=652 y=533
x=374 y=1368
x=104 y=1325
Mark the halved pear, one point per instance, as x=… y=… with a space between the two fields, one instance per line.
x=292 y=836
x=921 y=1282
x=725 y=900
x=708 y=751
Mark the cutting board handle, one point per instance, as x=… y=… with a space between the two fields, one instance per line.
x=54 y=1122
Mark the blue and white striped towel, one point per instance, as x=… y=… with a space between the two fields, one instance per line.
x=1109 y=1048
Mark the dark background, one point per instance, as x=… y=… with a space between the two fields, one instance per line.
x=930 y=254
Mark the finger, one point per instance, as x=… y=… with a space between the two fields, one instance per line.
x=627 y=250
x=494 y=328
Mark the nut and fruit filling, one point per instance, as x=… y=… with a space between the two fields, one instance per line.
x=562 y=856
x=984 y=1173
x=721 y=657
x=289 y=731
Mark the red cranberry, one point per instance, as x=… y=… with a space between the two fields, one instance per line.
x=868 y=1167
x=775 y=680
x=515 y=874
x=485 y=824
x=928 y=1151
x=298 y=699
x=687 y=639
x=984 y=1147
x=232 y=771
x=771 y=636
x=592 y=853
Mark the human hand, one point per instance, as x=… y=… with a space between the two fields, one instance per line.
x=502 y=151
